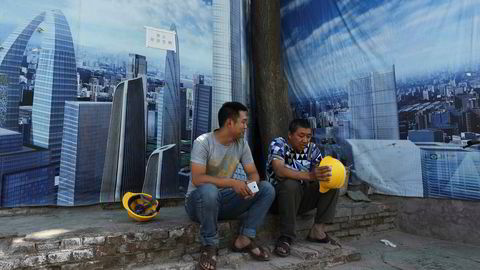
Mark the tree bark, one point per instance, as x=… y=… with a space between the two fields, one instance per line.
x=272 y=108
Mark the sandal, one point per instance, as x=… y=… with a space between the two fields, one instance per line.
x=263 y=256
x=326 y=240
x=208 y=260
x=282 y=247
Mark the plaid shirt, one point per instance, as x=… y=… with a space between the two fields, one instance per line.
x=279 y=149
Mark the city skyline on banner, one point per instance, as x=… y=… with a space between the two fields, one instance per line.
x=378 y=67
x=56 y=75
x=63 y=76
x=99 y=36
x=406 y=74
x=349 y=39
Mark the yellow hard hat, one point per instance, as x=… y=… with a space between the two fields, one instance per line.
x=140 y=206
x=337 y=180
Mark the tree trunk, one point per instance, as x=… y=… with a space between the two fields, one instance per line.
x=272 y=109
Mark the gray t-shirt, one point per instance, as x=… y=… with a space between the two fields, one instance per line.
x=220 y=160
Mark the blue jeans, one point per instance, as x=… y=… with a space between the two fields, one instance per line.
x=207 y=204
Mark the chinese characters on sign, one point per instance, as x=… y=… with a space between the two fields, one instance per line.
x=160 y=39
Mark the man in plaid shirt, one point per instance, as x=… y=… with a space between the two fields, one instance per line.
x=292 y=167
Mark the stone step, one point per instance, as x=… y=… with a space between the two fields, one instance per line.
x=93 y=238
x=304 y=255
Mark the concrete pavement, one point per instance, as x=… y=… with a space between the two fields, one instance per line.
x=412 y=252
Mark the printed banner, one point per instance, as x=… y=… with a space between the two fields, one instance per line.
x=392 y=88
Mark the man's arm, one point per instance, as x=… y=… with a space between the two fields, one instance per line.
x=248 y=164
x=282 y=172
x=321 y=173
x=199 y=177
x=252 y=172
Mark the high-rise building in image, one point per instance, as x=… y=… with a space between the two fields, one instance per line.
x=10 y=60
x=159 y=117
x=26 y=176
x=55 y=83
x=160 y=179
x=124 y=168
x=169 y=110
x=25 y=124
x=472 y=120
x=171 y=96
x=55 y=80
x=137 y=65
x=373 y=106
x=202 y=108
x=152 y=125
x=183 y=114
x=83 y=152
x=189 y=110
x=227 y=61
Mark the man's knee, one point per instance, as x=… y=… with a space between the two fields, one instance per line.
x=208 y=193
x=266 y=189
x=290 y=186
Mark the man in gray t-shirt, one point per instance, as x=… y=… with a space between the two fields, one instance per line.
x=219 y=160
x=213 y=194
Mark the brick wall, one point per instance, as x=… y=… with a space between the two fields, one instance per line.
x=352 y=221
x=149 y=245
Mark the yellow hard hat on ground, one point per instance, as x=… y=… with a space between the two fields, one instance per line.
x=337 y=180
x=140 y=206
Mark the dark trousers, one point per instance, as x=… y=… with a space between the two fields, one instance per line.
x=294 y=198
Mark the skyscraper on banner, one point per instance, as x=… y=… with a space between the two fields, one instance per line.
x=171 y=96
x=169 y=113
x=202 y=108
x=11 y=55
x=55 y=83
x=26 y=176
x=159 y=108
x=55 y=80
x=137 y=65
x=227 y=53
x=161 y=167
x=124 y=168
x=373 y=106
x=83 y=152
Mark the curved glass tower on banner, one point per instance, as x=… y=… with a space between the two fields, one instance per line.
x=55 y=80
x=55 y=83
x=124 y=166
x=11 y=56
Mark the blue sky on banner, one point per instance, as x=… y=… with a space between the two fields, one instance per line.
x=329 y=42
x=117 y=27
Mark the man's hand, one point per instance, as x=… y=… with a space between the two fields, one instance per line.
x=252 y=194
x=241 y=188
x=321 y=173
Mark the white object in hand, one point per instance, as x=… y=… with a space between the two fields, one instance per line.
x=253 y=187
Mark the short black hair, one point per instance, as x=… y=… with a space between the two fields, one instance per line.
x=298 y=123
x=230 y=110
